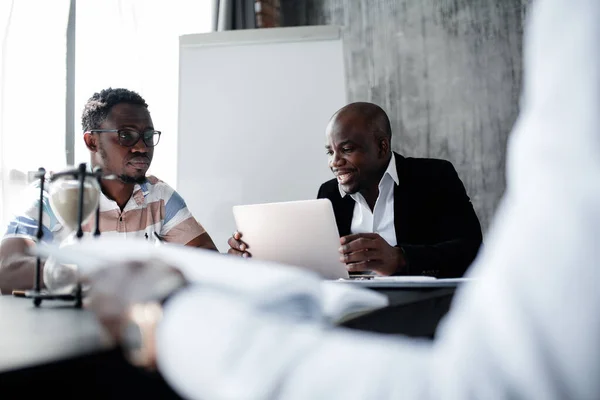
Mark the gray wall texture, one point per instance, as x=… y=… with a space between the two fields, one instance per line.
x=448 y=73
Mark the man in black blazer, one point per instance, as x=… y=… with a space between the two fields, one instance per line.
x=395 y=215
x=437 y=230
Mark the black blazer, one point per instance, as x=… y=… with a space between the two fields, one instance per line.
x=435 y=223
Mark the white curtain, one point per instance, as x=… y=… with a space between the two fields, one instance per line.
x=119 y=43
x=32 y=93
x=135 y=44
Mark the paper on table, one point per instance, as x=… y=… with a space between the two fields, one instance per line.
x=341 y=301
x=272 y=287
x=408 y=278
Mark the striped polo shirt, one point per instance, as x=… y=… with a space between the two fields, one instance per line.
x=154 y=208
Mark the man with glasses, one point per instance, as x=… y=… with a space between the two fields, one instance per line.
x=120 y=135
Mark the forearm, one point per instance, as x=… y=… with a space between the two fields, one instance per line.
x=298 y=360
x=17 y=272
x=203 y=241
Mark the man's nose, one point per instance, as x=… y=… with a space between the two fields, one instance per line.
x=140 y=147
x=335 y=160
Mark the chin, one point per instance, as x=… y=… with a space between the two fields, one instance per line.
x=132 y=179
x=350 y=189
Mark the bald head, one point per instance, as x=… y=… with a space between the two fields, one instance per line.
x=358 y=144
x=369 y=115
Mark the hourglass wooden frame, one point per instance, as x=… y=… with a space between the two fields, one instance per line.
x=80 y=173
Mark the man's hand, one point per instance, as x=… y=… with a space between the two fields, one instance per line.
x=17 y=268
x=237 y=247
x=113 y=290
x=370 y=252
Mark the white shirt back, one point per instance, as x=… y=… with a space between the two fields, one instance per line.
x=527 y=328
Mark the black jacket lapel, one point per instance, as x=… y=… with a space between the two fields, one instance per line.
x=343 y=214
x=401 y=200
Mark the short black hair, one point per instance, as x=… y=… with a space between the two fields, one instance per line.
x=98 y=106
x=376 y=118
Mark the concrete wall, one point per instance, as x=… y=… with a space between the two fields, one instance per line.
x=448 y=72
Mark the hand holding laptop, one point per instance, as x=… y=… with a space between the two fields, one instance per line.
x=237 y=247
x=299 y=233
x=360 y=252
x=304 y=233
x=370 y=252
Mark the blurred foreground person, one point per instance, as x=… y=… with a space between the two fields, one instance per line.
x=528 y=328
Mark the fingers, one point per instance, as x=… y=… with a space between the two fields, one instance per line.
x=359 y=256
x=237 y=247
x=113 y=325
x=353 y=237
x=131 y=282
x=361 y=252
x=235 y=243
x=238 y=253
x=363 y=266
x=359 y=244
x=113 y=290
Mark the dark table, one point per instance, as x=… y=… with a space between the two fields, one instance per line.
x=59 y=350
x=62 y=350
x=415 y=308
x=56 y=330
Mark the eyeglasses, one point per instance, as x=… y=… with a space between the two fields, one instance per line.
x=130 y=137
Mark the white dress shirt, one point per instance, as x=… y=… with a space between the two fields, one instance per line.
x=528 y=328
x=381 y=219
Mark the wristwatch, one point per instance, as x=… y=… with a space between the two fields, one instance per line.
x=138 y=333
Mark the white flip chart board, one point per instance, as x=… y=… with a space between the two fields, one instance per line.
x=253 y=107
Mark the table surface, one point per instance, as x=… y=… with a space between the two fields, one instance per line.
x=32 y=336
x=55 y=331
x=400 y=284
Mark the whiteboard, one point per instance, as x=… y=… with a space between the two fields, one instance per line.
x=253 y=107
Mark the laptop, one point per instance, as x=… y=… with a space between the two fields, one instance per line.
x=298 y=233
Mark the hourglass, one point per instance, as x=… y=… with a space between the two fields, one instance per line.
x=74 y=195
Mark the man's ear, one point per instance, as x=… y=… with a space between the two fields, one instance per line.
x=91 y=142
x=384 y=146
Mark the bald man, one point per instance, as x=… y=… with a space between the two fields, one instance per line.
x=395 y=215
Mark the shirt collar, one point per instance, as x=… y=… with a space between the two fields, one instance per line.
x=391 y=171
x=140 y=191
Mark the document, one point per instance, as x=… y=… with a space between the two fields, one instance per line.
x=281 y=289
x=408 y=278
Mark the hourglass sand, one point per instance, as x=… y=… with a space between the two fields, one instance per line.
x=74 y=196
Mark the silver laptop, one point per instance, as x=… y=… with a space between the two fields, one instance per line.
x=299 y=233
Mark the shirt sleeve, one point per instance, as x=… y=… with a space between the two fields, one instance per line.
x=25 y=224
x=215 y=354
x=179 y=225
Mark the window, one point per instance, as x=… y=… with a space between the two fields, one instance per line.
x=135 y=44
x=118 y=43
x=32 y=93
